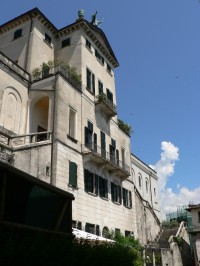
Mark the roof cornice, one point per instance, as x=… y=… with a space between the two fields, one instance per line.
x=79 y=24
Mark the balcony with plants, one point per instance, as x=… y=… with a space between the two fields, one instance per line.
x=106 y=105
x=105 y=159
x=57 y=67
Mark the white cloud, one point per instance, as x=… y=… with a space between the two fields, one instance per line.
x=165 y=167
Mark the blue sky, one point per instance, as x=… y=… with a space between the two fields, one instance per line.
x=157 y=43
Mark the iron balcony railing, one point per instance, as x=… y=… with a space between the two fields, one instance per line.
x=107 y=156
x=45 y=73
x=103 y=98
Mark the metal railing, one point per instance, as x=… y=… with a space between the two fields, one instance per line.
x=104 y=98
x=45 y=73
x=19 y=140
x=105 y=155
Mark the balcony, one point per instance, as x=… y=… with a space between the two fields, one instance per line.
x=66 y=73
x=106 y=105
x=105 y=159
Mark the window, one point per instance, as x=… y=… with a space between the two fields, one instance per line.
x=103 y=187
x=108 y=67
x=88 y=44
x=17 y=34
x=116 y=193
x=154 y=192
x=147 y=187
x=100 y=86
x=109 y=95
x=90 y=81
x=199 y=216
x=72 y=174
x=117 y=231
x=99 y=57
x=127 y=198
x=112 y=150
x=127 y=233
x=140 y=181
x=66 y=42
x=91 y=182
x=90 y=137
x=90 y=228
x=47 y=38
x=97 y=230
x=72 y=123
x=47 y=171
x=77 y=224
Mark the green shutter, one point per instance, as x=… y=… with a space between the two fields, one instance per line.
x=96 y=184
x=95 y=142
x=112 y=191
x=119 y=194
x=130 y=199
x=86 y=172
x=106 y=188
x=100 y=186
x=73 y=174
x=93 y=84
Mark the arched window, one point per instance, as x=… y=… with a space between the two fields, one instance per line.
x=17 y=34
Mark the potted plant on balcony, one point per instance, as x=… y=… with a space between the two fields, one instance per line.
x=125 y=127
x=101 y=97
x=36 y=72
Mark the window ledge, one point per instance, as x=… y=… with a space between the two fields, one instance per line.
x=128 y=207
x=14 y=39
x=89 y=49
x=72 y=139
x=117 y=203
x=103 y=198
x=72 y=186
x=47 y=43
x=100 y=61
x=93 y=194
x=89 y=91
x=109 y=73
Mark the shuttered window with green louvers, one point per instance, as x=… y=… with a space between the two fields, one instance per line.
x=72 y=174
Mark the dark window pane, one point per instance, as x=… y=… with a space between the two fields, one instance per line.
x=66 y=42
x=47 y=38
x=17 y=34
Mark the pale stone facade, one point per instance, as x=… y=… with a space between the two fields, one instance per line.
x=65 y=131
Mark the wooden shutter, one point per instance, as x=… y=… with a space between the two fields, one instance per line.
x=86 y=172
x=93 y=84
x=88 y=79
x=100 y=87
x=106 y=188
x=112 y=192
x=96 y=184
x=119 y=194
x=100 y=186
x=95 y=142
x=73 y=174
x=130 y=199
x=124 y=196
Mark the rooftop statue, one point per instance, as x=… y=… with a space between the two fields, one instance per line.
x=94 y=21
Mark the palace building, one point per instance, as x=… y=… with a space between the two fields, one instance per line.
x=59 y=123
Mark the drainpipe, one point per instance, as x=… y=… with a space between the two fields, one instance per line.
x=53 y=128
